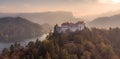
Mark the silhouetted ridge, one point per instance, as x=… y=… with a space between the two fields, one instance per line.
x=13 y=20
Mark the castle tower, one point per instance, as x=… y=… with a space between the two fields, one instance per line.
x=56 y=28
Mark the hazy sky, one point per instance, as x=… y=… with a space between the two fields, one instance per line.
x=78 y=7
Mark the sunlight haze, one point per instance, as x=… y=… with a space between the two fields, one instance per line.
x=80 y=8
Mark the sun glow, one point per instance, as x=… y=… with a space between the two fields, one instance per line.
x=116 y=1
x=110 y=1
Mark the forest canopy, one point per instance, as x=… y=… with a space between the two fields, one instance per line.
x=86 y=44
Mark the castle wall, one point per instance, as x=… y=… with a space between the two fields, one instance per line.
x=72 y=28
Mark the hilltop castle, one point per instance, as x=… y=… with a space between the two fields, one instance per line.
x=71 y=27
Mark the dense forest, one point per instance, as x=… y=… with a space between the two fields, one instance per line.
x=85 y=44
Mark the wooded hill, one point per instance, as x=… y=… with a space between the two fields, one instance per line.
x=17 y=29
x=86 y=44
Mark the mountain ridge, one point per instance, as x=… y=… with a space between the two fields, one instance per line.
x=17 y=29
x=57 y=17
x=106 y=22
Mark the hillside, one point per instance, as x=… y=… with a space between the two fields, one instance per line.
x=112 y=35
x=85 y=44
x=112 y=21
x=51 y=18
x=17 y=29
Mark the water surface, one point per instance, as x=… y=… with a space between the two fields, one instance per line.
x=23 y=43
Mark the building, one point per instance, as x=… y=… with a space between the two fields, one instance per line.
x=72 y=27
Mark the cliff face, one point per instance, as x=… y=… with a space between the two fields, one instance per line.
x=17 y=29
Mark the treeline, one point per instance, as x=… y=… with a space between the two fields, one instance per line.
x=85 y=44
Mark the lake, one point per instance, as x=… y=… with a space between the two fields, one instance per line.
x=23 y=43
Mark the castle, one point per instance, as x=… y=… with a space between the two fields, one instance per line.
x=71 y=27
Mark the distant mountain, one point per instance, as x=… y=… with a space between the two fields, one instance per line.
x=90 y=17
x=17 y=29
x=51 y=18
x=47 y=28
x=104 y=22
